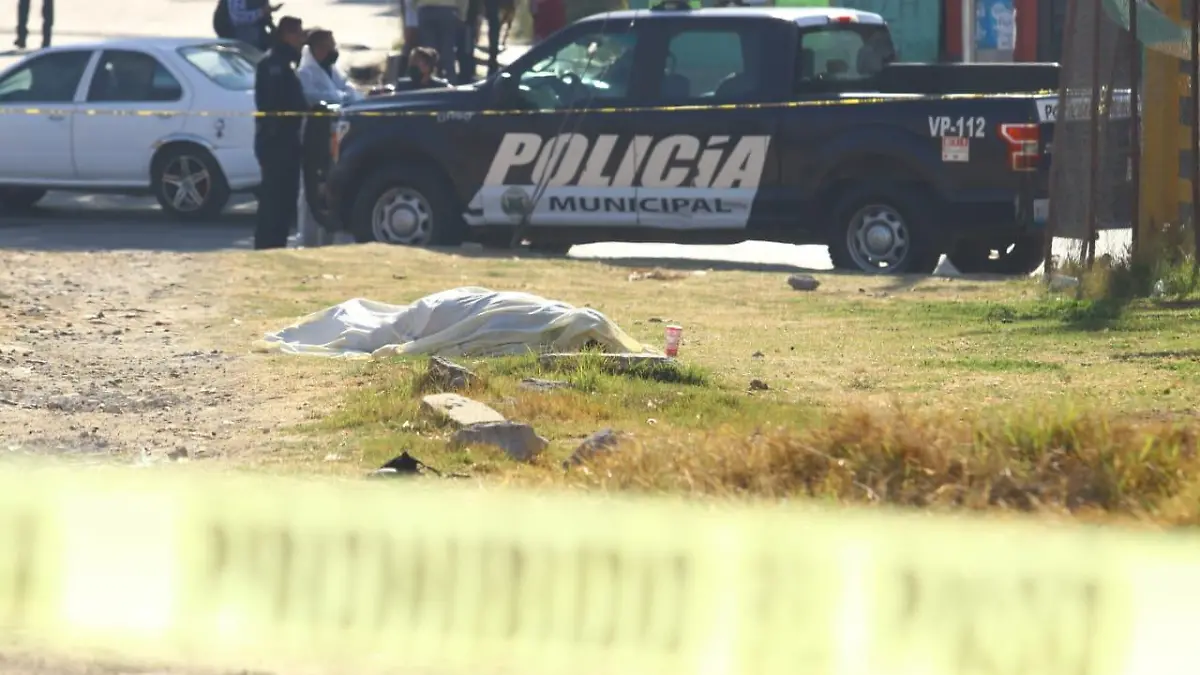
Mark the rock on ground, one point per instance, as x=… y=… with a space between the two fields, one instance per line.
x=803 y=282
x=538 y=384
x=519 y=441
x=460 y=410
x=603 y=441
x=449 y=375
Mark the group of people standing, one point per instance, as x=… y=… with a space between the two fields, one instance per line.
x=298 y=72
x=452 y=28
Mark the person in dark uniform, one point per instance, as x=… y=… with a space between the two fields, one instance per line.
x=23 y=22
x=277 y=141
x=467 y=62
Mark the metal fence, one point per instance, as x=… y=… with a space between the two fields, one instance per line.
x=1125 y=145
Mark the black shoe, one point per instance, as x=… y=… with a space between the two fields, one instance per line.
x=19 y=43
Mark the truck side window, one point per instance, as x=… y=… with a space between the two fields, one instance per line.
x=829 y=58
x=595 y=68
x=712 y=65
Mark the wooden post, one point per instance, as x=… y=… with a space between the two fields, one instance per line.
x=1161 y=186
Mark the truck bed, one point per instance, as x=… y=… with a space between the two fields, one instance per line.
x=967 y=78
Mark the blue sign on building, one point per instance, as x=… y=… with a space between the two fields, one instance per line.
x=995 y=25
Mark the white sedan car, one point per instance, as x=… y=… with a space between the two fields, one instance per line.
x=166 y=116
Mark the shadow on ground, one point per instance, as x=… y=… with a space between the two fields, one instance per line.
x=68 y=222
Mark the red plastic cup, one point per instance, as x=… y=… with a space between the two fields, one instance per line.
x=674 y=334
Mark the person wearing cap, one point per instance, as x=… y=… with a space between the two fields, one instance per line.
x=322 y=82
x=278 y=146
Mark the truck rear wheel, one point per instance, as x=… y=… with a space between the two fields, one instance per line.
x=882 y=228
x=1020 y=256
x=407 y=206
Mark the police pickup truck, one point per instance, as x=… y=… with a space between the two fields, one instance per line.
x=712 y=126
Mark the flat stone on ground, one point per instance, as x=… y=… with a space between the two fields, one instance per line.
x=619 y=362
x=460 y=410
x=538 y=384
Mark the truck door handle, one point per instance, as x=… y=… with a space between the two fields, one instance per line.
x=164 y=115
x=57 y=118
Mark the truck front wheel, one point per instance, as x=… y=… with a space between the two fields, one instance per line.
x=407 y=206
x=882 y=229
x=1020 y=256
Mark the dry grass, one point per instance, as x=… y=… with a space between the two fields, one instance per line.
x=916 y=391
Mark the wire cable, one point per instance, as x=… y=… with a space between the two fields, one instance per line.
x=547 y=170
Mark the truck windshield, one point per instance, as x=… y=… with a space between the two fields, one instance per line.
x=842 y=53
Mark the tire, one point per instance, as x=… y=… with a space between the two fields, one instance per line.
x=407 y=206
x=19 y=198
x=883 y=210
x=181 y=166
x=1019 y=257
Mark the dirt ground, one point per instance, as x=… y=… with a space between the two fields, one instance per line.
x=129 y=356
x=101 y=360
x=100 y=355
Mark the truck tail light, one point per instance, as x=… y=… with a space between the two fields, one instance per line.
x=1022 y=140
x=339 y=131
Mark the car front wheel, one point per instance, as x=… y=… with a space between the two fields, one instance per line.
x=19 y=198
x=882 y=229
x=188 y=183
x=406 y=206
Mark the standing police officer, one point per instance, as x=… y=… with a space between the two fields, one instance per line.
x=277 y=141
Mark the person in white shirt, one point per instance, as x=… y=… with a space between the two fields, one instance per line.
x=322 y=81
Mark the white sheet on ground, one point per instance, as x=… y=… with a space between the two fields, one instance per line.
x=458 y=322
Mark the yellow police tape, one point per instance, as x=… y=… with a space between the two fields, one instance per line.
x=302 y=576
x=463 y=115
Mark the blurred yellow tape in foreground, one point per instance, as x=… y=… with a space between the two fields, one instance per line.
x=298 y=577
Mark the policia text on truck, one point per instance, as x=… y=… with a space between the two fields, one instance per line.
x=686 y=125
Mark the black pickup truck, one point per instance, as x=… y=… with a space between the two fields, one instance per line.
x=712 y=126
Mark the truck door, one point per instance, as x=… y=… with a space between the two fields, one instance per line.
x=710 y=158
x=833 y=63
x=558 y=148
